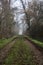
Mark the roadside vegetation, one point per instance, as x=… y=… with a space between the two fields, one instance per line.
x=39 y=43
x=5 y=41
x=35 y=41
x=20 y=54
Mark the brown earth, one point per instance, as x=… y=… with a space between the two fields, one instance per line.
x=5 y=51
x=37 y=53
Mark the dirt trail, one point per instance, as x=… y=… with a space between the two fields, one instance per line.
x=5 y=51
x=37 y=53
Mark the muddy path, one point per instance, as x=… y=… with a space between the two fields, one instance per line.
x=37 y=53
x=5 y=51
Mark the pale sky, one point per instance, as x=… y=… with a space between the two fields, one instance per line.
x=18 y=3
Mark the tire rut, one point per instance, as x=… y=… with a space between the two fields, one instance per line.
x=37 y=53
x=5 y=51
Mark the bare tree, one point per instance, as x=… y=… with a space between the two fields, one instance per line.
x=27 y=16
x=7 y=18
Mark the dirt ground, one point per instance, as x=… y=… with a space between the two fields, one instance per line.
x=37 y=53
x=5 y=51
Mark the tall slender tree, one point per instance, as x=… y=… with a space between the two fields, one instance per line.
x=27 y=16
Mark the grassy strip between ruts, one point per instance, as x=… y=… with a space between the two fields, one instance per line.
x=37 y=42
x=20 y=54
x=3 y=42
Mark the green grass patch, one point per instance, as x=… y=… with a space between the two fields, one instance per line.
x=37 y=42
x=20 y=54
x=3 y=42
